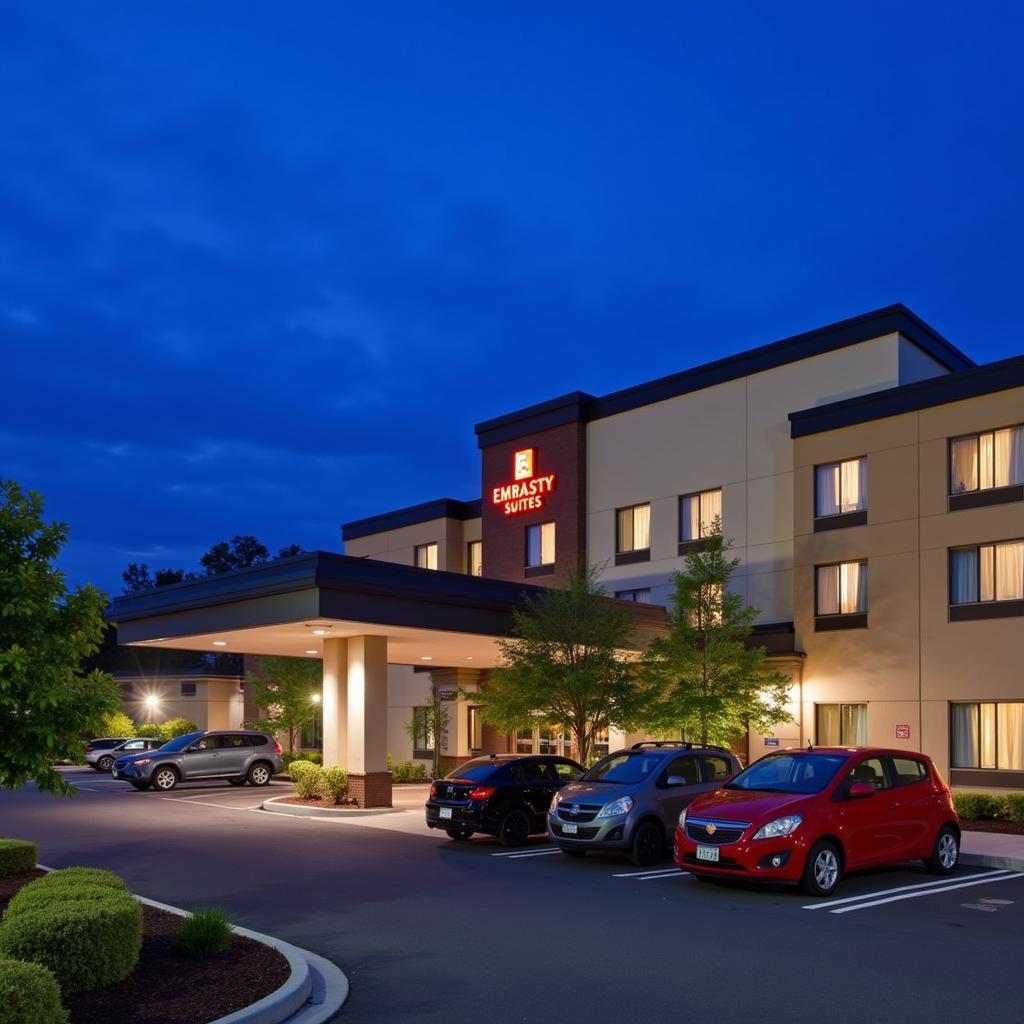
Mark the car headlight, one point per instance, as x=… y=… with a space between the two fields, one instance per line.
x=621 y=806
x=555 y=800
x=145 y=760
x=682 y=818
x=779 y=827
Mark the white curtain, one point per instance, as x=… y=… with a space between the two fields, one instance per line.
x=988 y=736
x=827 y=491
x=855 y=725
x=829 y=734
x=986 y=461
x=641 y=527
x=963 y=576
x=547 y=544
x=853 y=587
x=710 y=510
x=965 y=735
x=1016 y=471
x=986 y=573
x=689 y=517
x=1011 y=736
x=854 y=485
x=828 y=590
x=1010 y=571
x=964 y=469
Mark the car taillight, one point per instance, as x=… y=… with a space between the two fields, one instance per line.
x=481 y=792
x=277 y=748
x=433 y=790
x=88 y=750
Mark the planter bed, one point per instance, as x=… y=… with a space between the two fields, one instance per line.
x=167 y=987
x=1006 y=828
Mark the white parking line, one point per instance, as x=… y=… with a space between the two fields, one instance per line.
x=930 y=892
x=940 y=882
x=526 y=853
x=192 y=802
x=651 y=871
x=539 y=853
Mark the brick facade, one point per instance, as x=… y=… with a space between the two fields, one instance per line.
x=370 y=789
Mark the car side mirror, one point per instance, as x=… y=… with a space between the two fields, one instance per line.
x=859 y=790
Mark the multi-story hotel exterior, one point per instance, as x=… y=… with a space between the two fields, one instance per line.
x=869 y=475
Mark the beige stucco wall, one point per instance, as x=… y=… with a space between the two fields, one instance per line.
x=217 y=704
x=450 y=535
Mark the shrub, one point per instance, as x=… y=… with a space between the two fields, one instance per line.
x=974 y=806
x=29 y=994
x=177 y=727
x=66 y=876
x=40 y=898
x=118 y=724
x=17 y=856
x=313 y=756
x=307 y=777
x=335 y=783
x=1014 y=805
x=150 y=731
x=205 y=932
x=407 y=771
x=87 y=945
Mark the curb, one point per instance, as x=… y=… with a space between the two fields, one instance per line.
x=304 y=811
x=992 y=860
x=314 y=992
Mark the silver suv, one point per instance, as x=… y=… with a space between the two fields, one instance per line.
x=631 y=799
x=238 y=756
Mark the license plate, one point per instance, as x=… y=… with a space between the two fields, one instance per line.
x=569 y=829
x=446 y=812
x=707 y=853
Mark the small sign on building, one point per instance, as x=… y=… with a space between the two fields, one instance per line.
x=446 y=693
x=771 y=741
x=902 y=731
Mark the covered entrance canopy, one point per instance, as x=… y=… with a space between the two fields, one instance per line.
x=357 y=615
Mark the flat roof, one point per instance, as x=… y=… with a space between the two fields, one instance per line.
x=441 y=508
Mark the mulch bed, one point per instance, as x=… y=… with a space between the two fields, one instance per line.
x=169 y=988
x=1006 y=828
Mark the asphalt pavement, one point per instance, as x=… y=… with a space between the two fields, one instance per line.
x=439 y=931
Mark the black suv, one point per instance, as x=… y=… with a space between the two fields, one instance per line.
x=504 y=795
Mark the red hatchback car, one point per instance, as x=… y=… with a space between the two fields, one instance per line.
x=810 y=815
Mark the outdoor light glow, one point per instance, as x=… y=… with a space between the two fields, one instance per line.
x=321 y=632
x=152 y=701
x=426 y=657
x=220 y=643
x=312 y=652
x=315 y=698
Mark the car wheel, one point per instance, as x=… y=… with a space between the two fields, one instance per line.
x=648 y=845
x=165 y=779
x=514 y=829
x=139 y=785
x=104 y=764
x=237 y=781
x=461 y=835
x=945 y=853
x=259 y=774
x=572 y=853
x=822 y=870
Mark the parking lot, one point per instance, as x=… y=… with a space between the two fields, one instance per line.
x=471 y=931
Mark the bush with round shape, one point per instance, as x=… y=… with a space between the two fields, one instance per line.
x=31 y=898
x=175 y=727
x=308 y=779
x=977 y=806
x=17 y=856
x=335 y=783
x=1013 y=804
x=76 y=875
x=29 y=994
x=205 y=932
x=87 y=945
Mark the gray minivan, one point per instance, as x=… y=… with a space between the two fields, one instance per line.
x=631 y=799
x=237 y=755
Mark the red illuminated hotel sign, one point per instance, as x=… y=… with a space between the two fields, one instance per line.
x=529 y=492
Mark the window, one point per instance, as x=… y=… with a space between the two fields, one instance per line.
x=871 y=771
x=566 y=772
x=842 y=590
x=475 y=558
x=841 y=487
x=524 y=741
x=988 y=735
x=633 y=529
x=716 y=769
x=697 y=514
x=981 y=462
x=908 y=770
x=421 y=738
x=188 y=689
x=989 y=572
x=236 y=741
x=636 y=596
x=426 y=556
x=686 y=768
x=599 y=748
x=842 y=725
x=538 y=771
x=540 y=545
x=549 y=740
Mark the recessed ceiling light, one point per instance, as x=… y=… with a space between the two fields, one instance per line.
x=320 y=632
x=426 y=657
x=312 y=652
x=220 y=643
x=470 y=658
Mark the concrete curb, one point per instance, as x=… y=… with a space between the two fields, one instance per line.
x=315 y=990
x=304 y=811
x=992 y=860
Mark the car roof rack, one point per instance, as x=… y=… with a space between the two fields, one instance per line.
x=677 y=743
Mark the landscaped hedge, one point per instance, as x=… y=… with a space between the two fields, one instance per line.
x=407 y=771
x=17 y=856
x=69 y=876
x=308 y=779
x=29 y=994
x=334 y=783
x=981 y=806
x=88 y=933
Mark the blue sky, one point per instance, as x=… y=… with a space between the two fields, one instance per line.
x=264 y=265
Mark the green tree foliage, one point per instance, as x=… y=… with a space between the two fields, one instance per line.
x=118 y=724
x=430 y=723
x=565 y=667
x=47 y=703
x=713 y=684
x=283 y=689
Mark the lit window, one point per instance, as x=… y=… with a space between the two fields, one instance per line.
x=841 y=487
x=699 y=513
x=475 y=558
x=426 y=556
x=540 y=544
x=980 y=462
x=476 y=728
x=842 y=589
x=842 y=725
x=642 y=596
x=988 y=572
x=633 y=531
x=988 y=735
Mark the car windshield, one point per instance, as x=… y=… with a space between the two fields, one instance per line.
x=625 y=767
x=790 y=773
x=181 y=742
x=475 y=771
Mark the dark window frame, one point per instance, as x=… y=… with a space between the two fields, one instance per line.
x=972 y=498
x=953 y=767
x=417 y=548
x=827 y=621
x=996 y=608
x=632 y=555
x=691 y=542
x=188 y=689
x=836 y=520
x=470 y=544
x=838 y=704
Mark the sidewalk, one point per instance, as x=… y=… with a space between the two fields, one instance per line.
x=992 y=850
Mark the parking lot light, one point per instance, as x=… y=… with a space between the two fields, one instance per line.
x=315 y=698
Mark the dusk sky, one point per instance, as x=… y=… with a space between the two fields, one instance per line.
x=264 y=265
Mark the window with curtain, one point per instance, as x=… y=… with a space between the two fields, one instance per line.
x=842 y=589
x=841 y=487
x=426 y=556
x=476 y=727
x=475 y=558
x=988 y=734
x=980 y=462
x=841 y=725
x=698 y=512
x=633 y=528
x=540 y=544
x=642 y=596
x=988 y=572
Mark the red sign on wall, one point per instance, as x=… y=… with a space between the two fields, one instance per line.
x=902 y=732
x=529 y=491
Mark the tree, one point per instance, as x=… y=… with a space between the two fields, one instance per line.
x=430 y=722
x=240 y=552
x=565 y=666
x=137 y=578
x=714 y=685
x=284 y=689
x=47 y=703
x=291 y=551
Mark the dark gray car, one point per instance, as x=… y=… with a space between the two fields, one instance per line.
x=631 y=799
x=236 y=755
